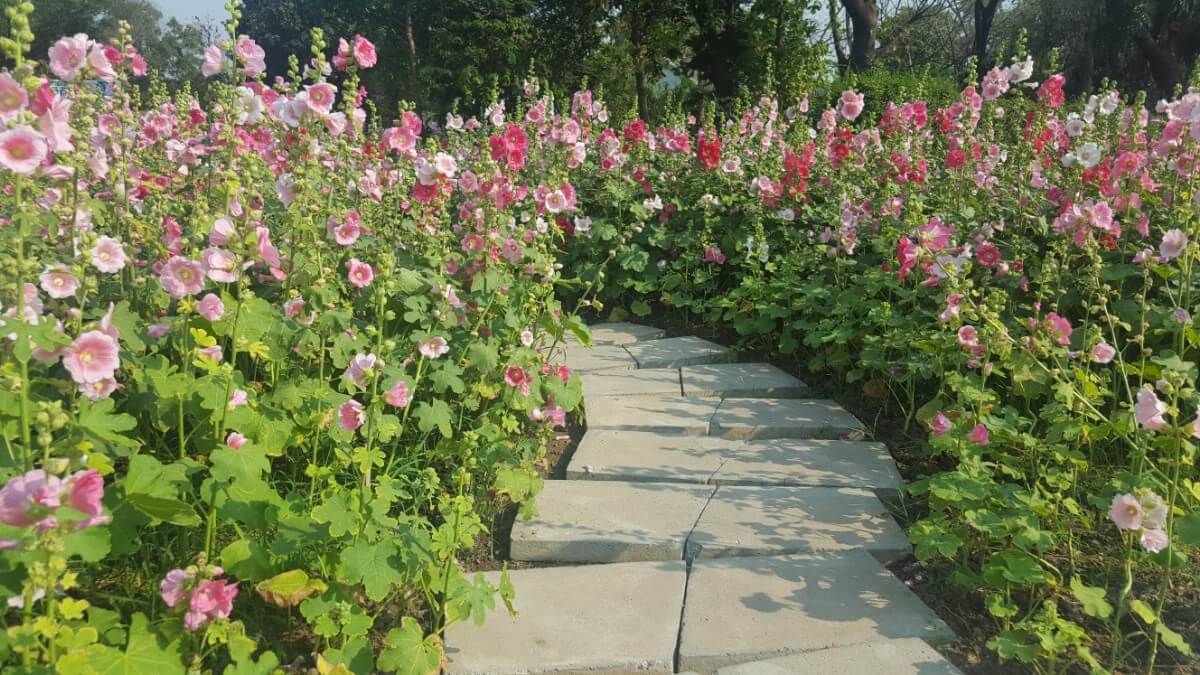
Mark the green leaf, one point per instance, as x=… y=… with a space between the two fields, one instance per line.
x=375 y=566
x=409 y=652
x=521 y=484
x=1000 y=607
x=98 y=421
x=247 y=560
x=247 y=464
x=434 y=414
x=1172 y=639
x=339 y=512
x=507 y=591
x=1011 y=645
x=288 y=589
x=483 y=356
x=91 y=544
x=146 y=653
x=1092 y=598
x=1145 y=612
x=1187 y=529
x=166 y=509
x=640 y=308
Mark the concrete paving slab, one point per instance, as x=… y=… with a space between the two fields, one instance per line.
x=810 y=462
x=668 y=414
x=675 y=352
x=740 y=380
x=609 y=521
x=599 y=357
x=778 y=520
x=906 y=656
x=619 y=333
x=614 y=619
x=651 y=382
x=606 y=454
x=747 y=609
x=758 y=418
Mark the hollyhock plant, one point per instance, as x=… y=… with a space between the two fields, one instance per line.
x=92 y=357
x=351 y=415
x=182 y=277
x=210 y=307
x=108 y=255
x=359 y=273
x=59 y=283
x=22 y=150
x=1149 y=410
x=434 y=347
x=398 y=395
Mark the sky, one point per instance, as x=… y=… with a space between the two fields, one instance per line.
x=185 y=10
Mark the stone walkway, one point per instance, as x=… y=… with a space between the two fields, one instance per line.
x=713 y=520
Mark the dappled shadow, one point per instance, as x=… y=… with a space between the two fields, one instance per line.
x=762 y=418
x=814 y=462
x=651 y=382
x=742 y=609
x=741 y=380
x=677 y=351
x=608 y=454
x=665 y=414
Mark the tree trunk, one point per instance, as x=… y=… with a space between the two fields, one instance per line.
x=1164 y=67
x=864 y=18
x=639 y=67
x=985 y=13
x=838 y=51
x=412 y=50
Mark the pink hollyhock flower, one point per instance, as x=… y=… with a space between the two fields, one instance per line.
x=158 y=330
x=397 y=395
x=1173 y=244
x=712 y=254
x=1149 y=410
x=988 y=254
x=210 y=601
x=210 y=307
x=941 y=424
x=67 y=56
x=515 y=376
x=253 y=57
x=362 y=367
x=174 y=586
x=979 y=435
x=267 y=252
x=556 y=202
x=58 y=282
x=214 y=352
x=238 y=398
x=434 y=347
x=321 y=97
x=182 y=277
x=13 y=97
x=97 y=58
x=906 y=256
x=223 y=230
x=220 y=265
x=1126 y=512
x=1059 y=327
x=359 y=273
x=1154 y=510
x=1153 y=539
x=345 y=234
x=1103 y=353
x=511 y=250
x=968 y=336
x=235 y=441
x=850 y=105
x=351 y=415
x=95 y=391
x=527 y=338
x=214 y=61
x=92 y=357
x=108 y=255
x=364 y=52
x=555 y=415
x=22 y=150
x=22 y=495
x=343 y=58
x=85 y=491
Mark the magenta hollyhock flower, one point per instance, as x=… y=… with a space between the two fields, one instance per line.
x=906 y=256
x=173 y=586
x=351 y=415
x=108 y=255
x=210 y=307
x=182 y=277
x=1103 y=352
x=58 y=282
x=85 y=490
x=68 y=55
x=361 y=367
x=979 y=435
x=364 y=52
x=515 y=376
x=433 y=347
x=22 y=494
x=397 y=395
x=1059 y=327
x=1126 y=512
x=210 y=601
x=1173 y=244
x=941 y=424
x=359 y=273
x=22 y=150
x=92 y=357
x=1149 y=410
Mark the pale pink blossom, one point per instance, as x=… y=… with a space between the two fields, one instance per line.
x=433 y=347
x=321 y=97
x=1149 y=410
x=235 y=441
x=238 y=398
x=174 y=586
x=210 y=307
x=13 y=97
x=68 y=55
x=220 y=265
x=1173 y=244
x=182 y=277
x=1153 y=539
x=58 y=282
x=364 y=52
x=1103 y=352
x=214 y=61
x=397 y=395
x=210 y=601
x=1126 y=512
x=22 y=150
x=94 y=391
x=30 y=499
x=850 y=105
x=351 y=415
x=92 y=357
x=359 y=273
x=361 y=368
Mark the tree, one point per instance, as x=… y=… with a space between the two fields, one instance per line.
x=864 y=19
x=985 y=13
